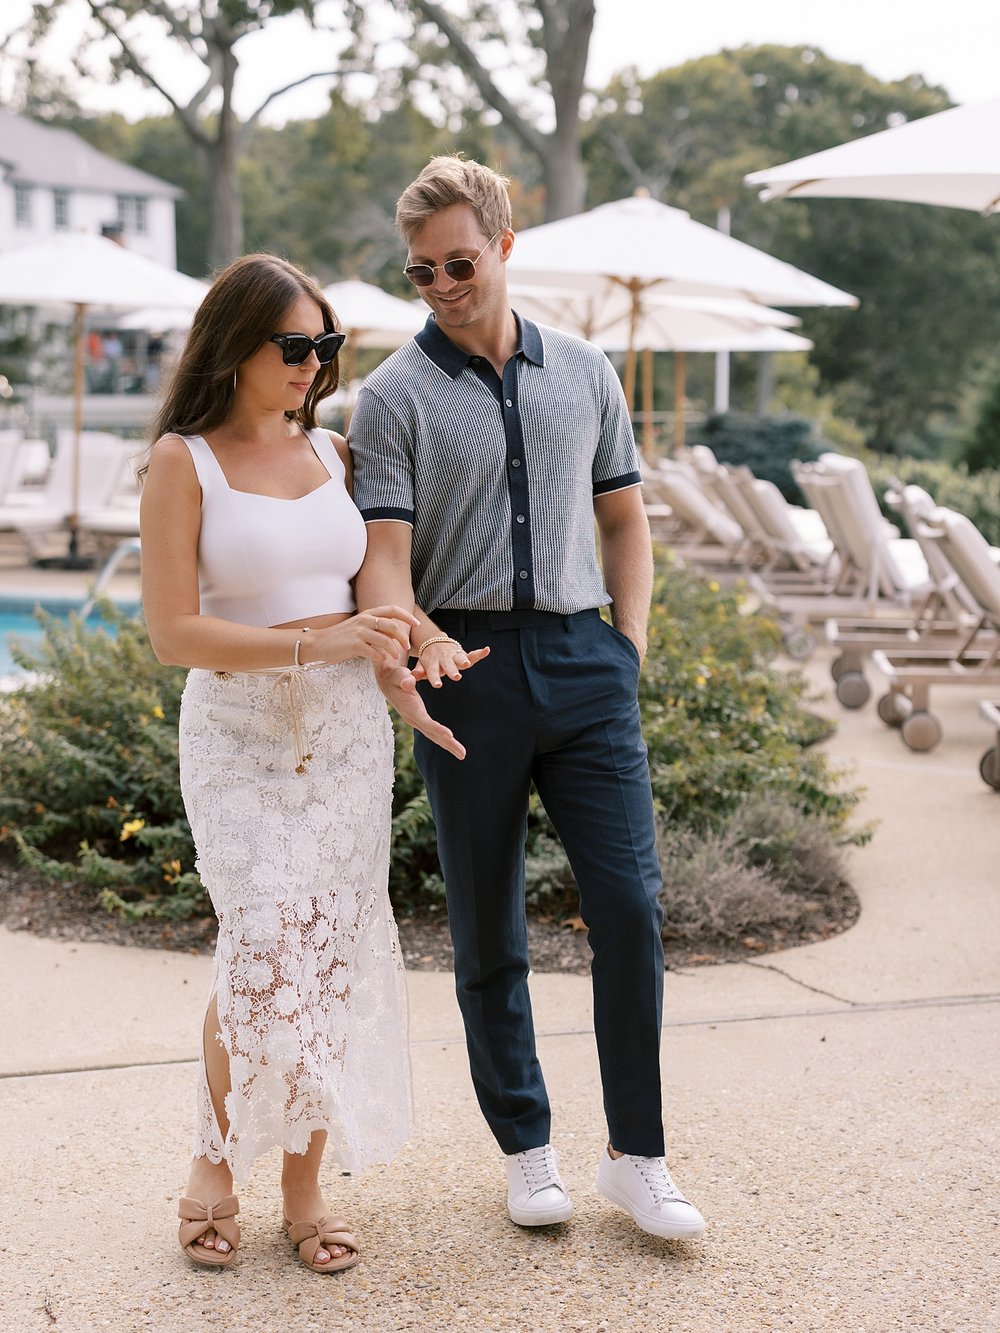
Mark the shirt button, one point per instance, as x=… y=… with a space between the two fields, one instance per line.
x=475 y=360
x=515 y=462
x=509 y=402
x=523 y=574
x=520 y=518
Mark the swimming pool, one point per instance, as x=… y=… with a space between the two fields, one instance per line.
x=17 y=620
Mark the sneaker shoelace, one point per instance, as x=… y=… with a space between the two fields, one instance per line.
x=656 y=1177
x=539 y=1168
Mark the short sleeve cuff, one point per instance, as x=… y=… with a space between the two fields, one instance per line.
x=387 y=513
x=617 y=483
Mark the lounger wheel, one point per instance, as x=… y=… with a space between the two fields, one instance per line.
x=838 y=666
x=800 y=644
x=989 y=768
x=853 y=690
x=921 y=730
x=893 y=709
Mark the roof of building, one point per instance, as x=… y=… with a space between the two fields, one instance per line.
x=37 y=154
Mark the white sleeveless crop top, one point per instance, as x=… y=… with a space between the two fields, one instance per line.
x=263 y=560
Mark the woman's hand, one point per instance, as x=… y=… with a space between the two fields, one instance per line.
x=400 y=689
x=446 y=659
x=381 y=634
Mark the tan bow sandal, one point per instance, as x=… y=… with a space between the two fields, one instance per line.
x=312 y=1236
x=197 y=1218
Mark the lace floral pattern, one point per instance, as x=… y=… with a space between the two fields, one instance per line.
x=308 y=973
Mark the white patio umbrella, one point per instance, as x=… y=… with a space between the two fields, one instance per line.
x=371 y=318
x=85 y=270
x=647 y=249
x=677 y=324
x=951 y=158
x=158 y=317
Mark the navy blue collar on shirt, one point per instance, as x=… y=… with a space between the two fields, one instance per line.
x=453 y=360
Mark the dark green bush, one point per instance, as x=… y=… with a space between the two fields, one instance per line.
x=766 y=445
x=89 y=757
x=981 y=449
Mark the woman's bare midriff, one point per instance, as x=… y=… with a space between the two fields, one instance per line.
x=317 y=622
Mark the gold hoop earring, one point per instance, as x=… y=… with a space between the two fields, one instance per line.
x=234 y=381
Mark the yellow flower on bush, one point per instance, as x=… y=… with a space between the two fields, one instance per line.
x=129 y=827
x=713 y=586
x=157 y=711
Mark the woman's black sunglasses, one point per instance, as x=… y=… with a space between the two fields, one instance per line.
x=295 y=347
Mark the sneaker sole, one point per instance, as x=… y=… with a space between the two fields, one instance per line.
x=652 y=1225
x=524 y=1217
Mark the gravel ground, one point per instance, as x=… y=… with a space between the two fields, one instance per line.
x=68 y=912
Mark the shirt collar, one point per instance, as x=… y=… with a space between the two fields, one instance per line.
x=436 y=345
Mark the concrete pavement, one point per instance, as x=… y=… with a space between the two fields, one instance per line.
x=832 y=1109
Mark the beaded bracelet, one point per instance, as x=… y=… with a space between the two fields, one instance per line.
x=436 y=638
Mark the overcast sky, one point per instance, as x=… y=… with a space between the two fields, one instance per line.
x=891 y=38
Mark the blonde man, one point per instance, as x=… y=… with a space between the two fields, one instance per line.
x=483 y=452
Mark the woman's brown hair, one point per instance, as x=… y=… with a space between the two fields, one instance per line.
x=243 y=307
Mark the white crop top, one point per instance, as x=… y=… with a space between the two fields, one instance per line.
x=263 y=560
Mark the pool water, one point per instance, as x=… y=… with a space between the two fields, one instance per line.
x=17 y=620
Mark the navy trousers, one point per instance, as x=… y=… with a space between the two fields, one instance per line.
x=555 y=705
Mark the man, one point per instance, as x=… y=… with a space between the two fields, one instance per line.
x=483 y=450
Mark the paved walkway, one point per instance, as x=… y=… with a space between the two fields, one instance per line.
x=832 y=1109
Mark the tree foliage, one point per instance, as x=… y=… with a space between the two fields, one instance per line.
x=928 y=278
x=540 y=106
x=207 y=32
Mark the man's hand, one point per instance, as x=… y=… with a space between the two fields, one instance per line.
x=400 y=689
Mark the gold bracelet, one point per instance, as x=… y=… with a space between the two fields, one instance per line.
x=436 y=638
x=298 y=645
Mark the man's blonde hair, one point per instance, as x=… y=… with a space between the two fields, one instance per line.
x=449 y=180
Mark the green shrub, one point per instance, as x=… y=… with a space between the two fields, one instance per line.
x=981 y=450
x=89 y=756
x=770 y=869
x=766 y=445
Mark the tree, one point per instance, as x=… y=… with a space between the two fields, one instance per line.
x=981 y=449
x=928 y=278
x=555 y=34
x=208 y=31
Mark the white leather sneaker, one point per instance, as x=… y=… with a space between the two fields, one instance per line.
x=642 y=1186
x=536 y=1197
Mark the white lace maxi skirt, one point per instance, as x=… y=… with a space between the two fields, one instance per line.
x=308 y=972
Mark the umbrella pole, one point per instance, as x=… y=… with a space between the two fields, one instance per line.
x=73 y=559
x=630 y=356
x=647 y=405
x=680 y=370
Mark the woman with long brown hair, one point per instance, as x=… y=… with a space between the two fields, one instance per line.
x=250 y=544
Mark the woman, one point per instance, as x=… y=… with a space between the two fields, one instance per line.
x=250 y=544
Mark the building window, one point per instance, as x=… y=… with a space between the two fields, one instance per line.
x=60 y=199
x=132 y=215
x=22 y=205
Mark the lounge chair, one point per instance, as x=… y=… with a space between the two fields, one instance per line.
x=974 y=662
x=102 y=457
x=878 y=574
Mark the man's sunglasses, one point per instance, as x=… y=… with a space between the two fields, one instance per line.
x=461 y=270
x=295 y=347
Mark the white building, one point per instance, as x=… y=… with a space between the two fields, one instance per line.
x=52 y=180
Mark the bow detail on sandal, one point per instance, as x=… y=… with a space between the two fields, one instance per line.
x=197 y=1218
x=321 y=1235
